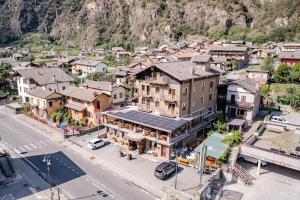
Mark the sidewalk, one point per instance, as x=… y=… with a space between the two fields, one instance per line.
x=139 y=171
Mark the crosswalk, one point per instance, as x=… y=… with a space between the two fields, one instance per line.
x=31 y=147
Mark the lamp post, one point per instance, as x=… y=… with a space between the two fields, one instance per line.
x=176 y=168
x=47 y=160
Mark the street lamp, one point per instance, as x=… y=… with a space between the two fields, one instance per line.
x=47 y=160
x=176 y=169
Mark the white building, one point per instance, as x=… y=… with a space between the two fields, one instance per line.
x=243 y=99
x=85 y=67
x=52 y=79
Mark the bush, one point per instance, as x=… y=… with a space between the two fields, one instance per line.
x=53 y=116
x=233 y=139
x=59 y=117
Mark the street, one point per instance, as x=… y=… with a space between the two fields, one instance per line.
x=76 y=176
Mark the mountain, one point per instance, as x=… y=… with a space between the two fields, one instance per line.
x=127 y=22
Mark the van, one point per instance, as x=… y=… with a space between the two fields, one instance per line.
x=252 y=160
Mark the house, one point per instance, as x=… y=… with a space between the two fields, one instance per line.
x=122 y=55
x=176 y=104
x=121 y=76
x=239 y=54
x=45 y=102
x=84 y=67
x=259 y=75
x=86 y=104
x=290 y=47
x=116 y=91
x=290 y=58
x=51 y=79
x=243 y=98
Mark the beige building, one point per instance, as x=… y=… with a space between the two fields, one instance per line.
x=45 y=102
x=176 y=103
x=85 y=67
x=83 y=103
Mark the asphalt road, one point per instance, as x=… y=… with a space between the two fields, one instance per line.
x=78 y=177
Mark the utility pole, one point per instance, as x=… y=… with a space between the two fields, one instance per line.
x=202 y=161
x=176 y=169
x=47 y=160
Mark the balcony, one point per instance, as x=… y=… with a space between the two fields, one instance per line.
x=145 y=108
x=168 y=113
x=239 y=104
x=159 y=81
x=171 y=98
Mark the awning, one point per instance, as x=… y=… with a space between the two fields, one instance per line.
x=135 y=136
x=75 y=106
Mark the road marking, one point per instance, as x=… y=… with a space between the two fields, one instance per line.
x=33 y=145
x=27 y=147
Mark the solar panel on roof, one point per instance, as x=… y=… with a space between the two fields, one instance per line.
x=147 y=119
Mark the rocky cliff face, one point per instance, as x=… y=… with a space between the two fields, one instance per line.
x=91 y=22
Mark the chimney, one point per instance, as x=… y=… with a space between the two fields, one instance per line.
x=202 y=62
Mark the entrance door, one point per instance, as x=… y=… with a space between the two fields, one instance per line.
x=232 y=112
x=232 y=99
x=163 y=151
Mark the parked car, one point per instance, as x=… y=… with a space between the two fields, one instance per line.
x=279 y=119
x=96 y=143
x=164 y=170
x=252 y=160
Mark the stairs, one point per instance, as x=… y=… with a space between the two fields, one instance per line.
x=237 y=170
x=240 y=173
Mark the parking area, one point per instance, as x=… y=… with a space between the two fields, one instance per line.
x=141 y=166
x=275 y=182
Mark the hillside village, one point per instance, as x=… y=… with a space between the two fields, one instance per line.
x=230 y=99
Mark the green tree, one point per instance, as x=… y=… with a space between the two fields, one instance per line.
x=77 y=81
x=295 y=73
x=96 y=76
x=110 y=60
x=265 y=89
x=282 y=74
x=268 y=64
x=234 y=138
x=221 y=126
x=294 y=97
x=234 y=64
x=4 y=77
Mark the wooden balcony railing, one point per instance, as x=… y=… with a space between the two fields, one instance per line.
x=240 y=104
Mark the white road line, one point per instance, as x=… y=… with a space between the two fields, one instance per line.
x=16 y=150
x=27 y=147
x=22 y=149
x=34 y=146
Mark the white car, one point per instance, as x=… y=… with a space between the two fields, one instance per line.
x=279 y=119
x=96 y=143
x=252 y=160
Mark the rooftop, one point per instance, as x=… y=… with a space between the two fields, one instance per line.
x=92 y=63
x=147 y=119
x=289 y=55
x=228 y=48
x=81 y=93
x=45 y=76
x=40 y=93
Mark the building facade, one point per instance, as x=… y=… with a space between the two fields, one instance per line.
x=85 y=67
x=176 y=103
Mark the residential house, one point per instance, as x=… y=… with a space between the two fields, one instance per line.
x=52 y=79
x=176 y=103
x=259 y=75
x=86 y=104
x=239 y=54
x=243 y=98
x=116 y=91
x=85 y=67
x=290 y=58
x=290 y=47
x=121 y=76
x=45 y=102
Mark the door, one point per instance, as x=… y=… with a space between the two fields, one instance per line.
x=232 y=99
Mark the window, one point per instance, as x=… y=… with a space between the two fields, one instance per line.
x=156 y=104
x=243 y=99
x=63 y=87
x=194 y=88
x=157 y=89
x=184 y=106
x=121 y=95
x=202 y=86
x=202 y=99
x=171 y=106
x=185 y=91
x=98 y=105
x=143 y=87
x=143 y=101
x=211 y=84
x=76 y=112
x=210 y=96
x=89 y=114
x=50 y=89
x=25 y=90
x=115 y=96
x=214 y=94
x=210 y=109
x=50 y=104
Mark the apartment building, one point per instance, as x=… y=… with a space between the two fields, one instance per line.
x=51 y=79
x=176 y=103
x=86 y=104
x=243 y=99
x=239 y=54
x=84 y=67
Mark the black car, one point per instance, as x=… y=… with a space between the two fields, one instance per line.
x=164 y=170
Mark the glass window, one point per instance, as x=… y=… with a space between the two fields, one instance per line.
x=202 y=86
x=210 y=96
x=184 y=106
x=185 y=91
x=156 y=103
x=115 y=96
x=121 y=95
x=143 y=87
x=211 y=84
x=50 y=104
x=157 y=89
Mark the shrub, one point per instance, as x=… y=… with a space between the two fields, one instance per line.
x=59 y=117
x=233 y=139
x=53 y=116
